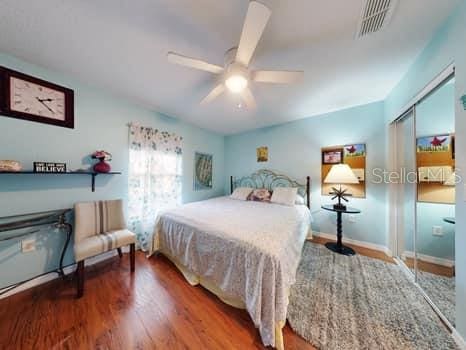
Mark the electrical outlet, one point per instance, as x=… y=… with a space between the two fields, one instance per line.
x=352 y=218
x=437 y=231
x=28 y=245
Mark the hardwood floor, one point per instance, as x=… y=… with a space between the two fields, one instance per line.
x=431 y=267
x=155 y=308
x=422 y=265
x=359 y=250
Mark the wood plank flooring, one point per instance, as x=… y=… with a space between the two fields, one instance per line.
x=431 y=267
x=359 y=250
x=155 y=308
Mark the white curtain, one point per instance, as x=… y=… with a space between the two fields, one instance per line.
x=154 y=178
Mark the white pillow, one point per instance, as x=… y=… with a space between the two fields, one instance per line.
x=284 y=195
x=241 y=193
x=299 y=200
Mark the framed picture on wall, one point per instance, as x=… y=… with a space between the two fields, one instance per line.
x=202 y=171
x=434 y=144
x=262 y=154
x=333 y=156
x=356 y=150
x=353 y=155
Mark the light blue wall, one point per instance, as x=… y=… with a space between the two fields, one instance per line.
x=436 y=115
x=447 y=46
x=430 y=214
x=100 y=123
x=295 y=149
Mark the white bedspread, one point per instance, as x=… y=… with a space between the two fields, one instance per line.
x=250 y=250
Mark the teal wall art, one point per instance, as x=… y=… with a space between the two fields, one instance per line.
x=202 y=171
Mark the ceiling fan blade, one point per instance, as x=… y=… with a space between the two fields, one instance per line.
x=193 y=63
x=277 y=76
x=216 y=91
x=248 y=98
x=256 y=19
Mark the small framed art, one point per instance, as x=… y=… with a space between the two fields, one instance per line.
x=262 y=154
x=332 y=156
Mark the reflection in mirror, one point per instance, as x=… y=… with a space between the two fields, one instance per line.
x=436 y=168
x=355 y=157
x=435 y=161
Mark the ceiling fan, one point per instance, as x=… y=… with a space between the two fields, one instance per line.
x=236 y=75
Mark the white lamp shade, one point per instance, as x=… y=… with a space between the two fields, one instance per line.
x=341 y=174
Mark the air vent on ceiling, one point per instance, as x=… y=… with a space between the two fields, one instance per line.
x=375 y=15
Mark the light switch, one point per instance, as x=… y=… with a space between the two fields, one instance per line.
x=437 y=231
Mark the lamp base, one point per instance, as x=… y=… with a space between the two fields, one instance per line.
x=340 y=249
x=339 y=206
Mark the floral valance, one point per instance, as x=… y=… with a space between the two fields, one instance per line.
x=146 y=137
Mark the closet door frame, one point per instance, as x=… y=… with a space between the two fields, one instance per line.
x=397 y=192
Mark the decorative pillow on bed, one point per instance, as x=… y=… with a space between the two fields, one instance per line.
x=241 y=193
x=284 y=195
x=299 y=200
x=260 y=195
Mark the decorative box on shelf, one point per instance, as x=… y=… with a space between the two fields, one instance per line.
x=49 y=167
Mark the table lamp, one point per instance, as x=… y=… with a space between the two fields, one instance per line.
x=340 y=174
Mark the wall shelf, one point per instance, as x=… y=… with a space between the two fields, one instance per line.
x=89 y=173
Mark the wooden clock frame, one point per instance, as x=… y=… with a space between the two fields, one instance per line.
x=5 y=106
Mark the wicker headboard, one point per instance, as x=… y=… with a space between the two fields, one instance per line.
x=268 y=179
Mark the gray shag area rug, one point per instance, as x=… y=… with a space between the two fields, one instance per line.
x=348 y=303
x=441 y=290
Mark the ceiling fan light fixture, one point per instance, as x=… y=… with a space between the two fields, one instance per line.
x=235 y=74
x=236 y=83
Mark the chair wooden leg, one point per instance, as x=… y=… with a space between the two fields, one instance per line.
x=132 y=256
x=80 y=278
x=120 y=253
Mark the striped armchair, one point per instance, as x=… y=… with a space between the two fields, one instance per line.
x=100 y=227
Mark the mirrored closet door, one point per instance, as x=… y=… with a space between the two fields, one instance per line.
x=424 y=155
x=435 y=204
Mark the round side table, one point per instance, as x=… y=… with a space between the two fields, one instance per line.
x=338 y=247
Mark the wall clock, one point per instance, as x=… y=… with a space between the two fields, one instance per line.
x=26 y=97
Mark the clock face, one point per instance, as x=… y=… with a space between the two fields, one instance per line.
x=35 y=99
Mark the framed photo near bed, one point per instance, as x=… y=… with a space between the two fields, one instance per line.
x=353 y=155
x=332 y=156
x=202 y=171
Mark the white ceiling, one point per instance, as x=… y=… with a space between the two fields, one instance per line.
x=121 y=45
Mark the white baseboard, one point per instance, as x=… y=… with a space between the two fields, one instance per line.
x=363 y=244
x=51 y=276
x=459 y=339
x=430 y=259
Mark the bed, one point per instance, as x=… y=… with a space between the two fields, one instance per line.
x=245 y=252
